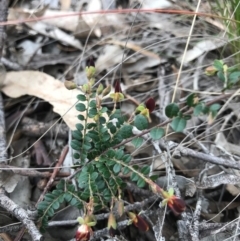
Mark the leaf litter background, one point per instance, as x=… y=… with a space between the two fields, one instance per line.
x=39 y=56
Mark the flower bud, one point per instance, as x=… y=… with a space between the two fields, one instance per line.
x=106 y=91
x=100 y=89
x=150 y=104
x=90 y=69
x=120 y=207
x=118 y=87
x=90 y=72
x=83 y=233
x=98 y=102
x=177 y=205
x=86 y=88
x=138 y=221
x=92 y=81
x=112 y=224
x=210 y=71
x=70 y=85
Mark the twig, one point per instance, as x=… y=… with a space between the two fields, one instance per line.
x=30 y=172
x=56 y=170
x=20 y=214
x=51 y=180
x=134 y=206
x=208 y=158
x=11 y=228
x=35 y=128
x=6 y=202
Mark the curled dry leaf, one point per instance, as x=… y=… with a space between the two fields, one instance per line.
x=47 y=28
x=46 y=87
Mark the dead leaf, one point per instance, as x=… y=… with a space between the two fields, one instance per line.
x=46 y=87
x=233 y=189
x=65 y=4
x=110 y=56
x=134 y=47
x=10 y=180
x=150 y=4
x=200 y=48
x=93 y=19
x=46 y=27
x=55 y=33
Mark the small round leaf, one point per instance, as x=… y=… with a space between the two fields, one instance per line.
x=141 y=122
x=81 y=97
x=80 y=107
x=172 y=110
x=178 y=124
x=157 y=133
x=137 y=142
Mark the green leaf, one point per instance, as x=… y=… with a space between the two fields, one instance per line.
x=205 y=110
x=79 y=127
x=56 y=205
x=221 y=76
x=86 y=146
x=102 y=120
x=134 y=177
x=141 y=122
x=119 y=154
x=187 y=117
x=192 y=100
x=126 y=170
x=126 y=158
x=81 y=117
x=94 y=175
x=198 y=109
x=104 y=109
x=172 y=110
x=77 y=135
x=178 y=124
x=141 y=183
x=234 y=77
x=92 y=112
x=137 y=142
x=215 y=107
x=110 y=153
x=91 y=125
x=76 y=155
x=157 y=133
x=125 y=131
x=81 y=97
x=92 y=103
x=117 y=168
x=76 y=145
x=145 y=170
x=218 y=64
x=105 y=137
x=80 y=107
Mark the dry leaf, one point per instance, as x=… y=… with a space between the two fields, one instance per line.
x=134 y=47
x=55 y=33
x=200 y=48
x=46 y=87
x=10 y=180
x=49 y=27
x=111 y=56
x=93 y=19
x=65 y=4
x=150 y=4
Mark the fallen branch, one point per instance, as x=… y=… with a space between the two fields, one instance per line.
x=21 y=215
